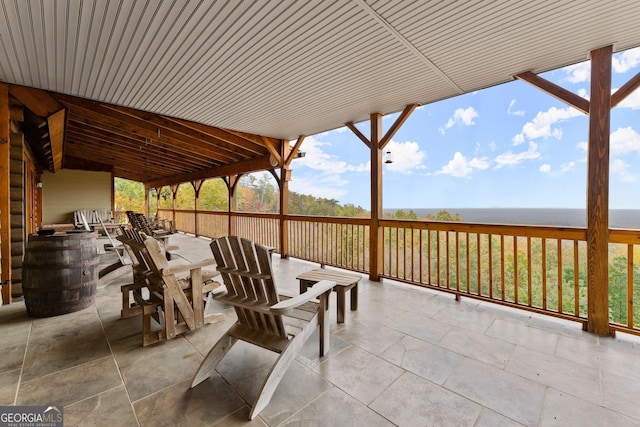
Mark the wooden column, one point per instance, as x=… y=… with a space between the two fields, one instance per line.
x=285 y=176
x=174 y=195
x=232 y=181
x=376 y=241
x=5 y=211
x=197 y=185
x=598 y=192
x=146 y=201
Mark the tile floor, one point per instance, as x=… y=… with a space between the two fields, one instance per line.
x=408 y=357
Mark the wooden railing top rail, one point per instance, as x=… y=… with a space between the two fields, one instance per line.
x=570 y=233
x=622 y=236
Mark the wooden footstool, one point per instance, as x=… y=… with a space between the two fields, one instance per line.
x=344 y=283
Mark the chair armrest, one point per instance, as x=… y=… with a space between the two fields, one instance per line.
x=311 y=293
x=171 y=248
x=186 y=267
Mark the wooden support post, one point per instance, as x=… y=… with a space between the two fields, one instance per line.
x=146 y=201
x=174 y=201
x=5 y=224
x=197 y=185
x=285 y=176
x=232 y=182
x=598 y=192
x=376 y=242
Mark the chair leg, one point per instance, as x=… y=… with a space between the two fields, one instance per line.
x=217 y=352
x=277 y=372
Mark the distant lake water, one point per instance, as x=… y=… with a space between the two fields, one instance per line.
x=618 y=218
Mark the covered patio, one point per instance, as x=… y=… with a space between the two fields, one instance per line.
x=167 y=93
x=407 y=356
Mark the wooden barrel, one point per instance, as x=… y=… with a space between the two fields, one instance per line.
x=60 y=273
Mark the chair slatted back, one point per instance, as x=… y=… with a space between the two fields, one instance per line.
x=246 y=270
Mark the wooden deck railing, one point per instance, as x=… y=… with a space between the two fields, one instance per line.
x=539 y=269
x=339 y=242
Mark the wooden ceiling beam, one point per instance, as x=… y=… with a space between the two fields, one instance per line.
x=110 y=150
x=203 y=133
x=233 y=138
x=56 y=123
x=247 y=166
x=625 y=90
x=37 y=100
x=134 y=145
x=115 y=159
x=397 y=124
x=144 y=129
x=556 y=91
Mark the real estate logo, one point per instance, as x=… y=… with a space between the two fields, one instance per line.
x=31 y=416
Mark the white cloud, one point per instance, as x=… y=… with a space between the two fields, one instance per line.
x=542 y=124
x=514 y=112
x=583 y=146
x=493 y=146
x=317 y=159
x=631 y=101
x=626 y=60
x=406 y=156
x=460 y=167
x=464 y=116
x=327 y=185
x=546 y=168
x=624 y=140
x=567 y=167
x=621 y=169
x=578 y=73
x=509 y=158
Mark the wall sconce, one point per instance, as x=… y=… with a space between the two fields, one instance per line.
x=39 y=184
x=387 y=157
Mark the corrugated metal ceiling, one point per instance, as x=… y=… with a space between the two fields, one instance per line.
x=285 y=68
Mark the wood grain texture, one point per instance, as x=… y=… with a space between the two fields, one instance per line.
x=598 y=192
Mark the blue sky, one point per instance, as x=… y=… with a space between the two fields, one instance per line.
x=507 y=146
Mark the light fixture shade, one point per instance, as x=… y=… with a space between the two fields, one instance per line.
x=387 y=157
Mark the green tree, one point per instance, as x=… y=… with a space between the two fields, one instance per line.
x=129 y=195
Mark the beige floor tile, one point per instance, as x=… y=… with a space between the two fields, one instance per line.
x=336 y=408
x=516 y=332
x=513 y=396
x=562 y=409
x=147 y=370
x=298 y=387
x=478 y=346
x=564 y=375
x=64 y=341
x=489 y=418
x=359 y=373
x=71 y=385
x=9 y=387
x=13 y=351
x=423 y=359
x=414 y=401
x=179 y=405
x=370 y=336
x=111 y=408
x=621 y=394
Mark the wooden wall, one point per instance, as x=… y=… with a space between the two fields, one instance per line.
x=18 y=234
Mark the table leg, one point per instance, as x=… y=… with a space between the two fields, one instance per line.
x=341 y=297
x=354 y=298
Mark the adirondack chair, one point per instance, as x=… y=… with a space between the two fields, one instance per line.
x=140 y=223
x=172 y=295
x=264 y=319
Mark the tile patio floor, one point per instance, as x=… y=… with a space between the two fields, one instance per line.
x=408 y=357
